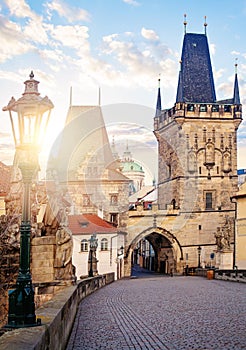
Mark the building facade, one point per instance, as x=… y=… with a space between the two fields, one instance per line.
x=110 y=243
x=87 y=170
x=194 y=221
x=240 y=229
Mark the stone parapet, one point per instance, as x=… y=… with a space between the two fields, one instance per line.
x=57 y=317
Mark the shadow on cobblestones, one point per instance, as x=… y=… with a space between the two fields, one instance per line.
x=140 y=272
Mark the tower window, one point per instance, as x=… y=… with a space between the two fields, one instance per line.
x=114 y=219
x=215 y=108
x=227 y=109
x=86 y=200
x=190 y=108
x=209 y=200
x=169 y=170
x=114 y=199
x=203 y=108
x=200 y=170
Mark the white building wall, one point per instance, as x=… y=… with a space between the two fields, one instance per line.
x=108 y=260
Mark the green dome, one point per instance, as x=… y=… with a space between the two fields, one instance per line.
x=132 y=166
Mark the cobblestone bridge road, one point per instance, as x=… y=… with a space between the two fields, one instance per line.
x=162 y=313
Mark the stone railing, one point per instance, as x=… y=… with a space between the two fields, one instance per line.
x=231 y=275
x=57 y=317
x=225 y=275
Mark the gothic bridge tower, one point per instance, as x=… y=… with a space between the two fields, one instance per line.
x=197 y=140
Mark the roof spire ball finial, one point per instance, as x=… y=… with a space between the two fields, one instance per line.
x=205 y=24
x=185 y=23
x=236 y=65
x=31 y=76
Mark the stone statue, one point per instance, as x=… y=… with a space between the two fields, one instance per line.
x=218 y=238
x=63 y=255
x=13 y=235
x=223 y=236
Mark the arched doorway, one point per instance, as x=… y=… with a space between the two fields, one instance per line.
x=154 y=249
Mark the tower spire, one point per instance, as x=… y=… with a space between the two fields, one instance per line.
x=205 y=25
x=71 y=93
x=236 y=95
x=185 y=23
x=158 y=103
x=99 y=96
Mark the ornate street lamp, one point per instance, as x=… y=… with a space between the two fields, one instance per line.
x=199 y=256
x=92 y=255
x=121 y=251
x=29 y=116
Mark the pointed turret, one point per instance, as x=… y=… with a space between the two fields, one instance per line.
x=196 y=82
x=158 y=103
x=236 y=95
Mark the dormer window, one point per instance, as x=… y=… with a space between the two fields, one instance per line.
x=84 y=223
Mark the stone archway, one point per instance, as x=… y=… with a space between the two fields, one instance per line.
x=168 y=252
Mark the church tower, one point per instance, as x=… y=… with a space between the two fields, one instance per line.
x=197 y=140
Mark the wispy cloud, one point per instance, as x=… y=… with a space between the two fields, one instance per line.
x=71 y=13
x=12 y=41
x=20 y=8
x=149 y=34
x=132 y=2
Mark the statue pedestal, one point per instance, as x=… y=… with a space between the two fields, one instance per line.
x=92 y=266
x=43 y=252
x=224 y=260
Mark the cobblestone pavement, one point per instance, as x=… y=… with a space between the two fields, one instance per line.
x=161 y=313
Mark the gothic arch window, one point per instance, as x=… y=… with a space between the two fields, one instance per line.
x=104 y=244
x=173 y=202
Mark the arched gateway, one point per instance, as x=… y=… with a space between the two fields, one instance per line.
x=167 y=252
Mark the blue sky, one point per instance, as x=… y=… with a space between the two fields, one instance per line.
x=123 y=46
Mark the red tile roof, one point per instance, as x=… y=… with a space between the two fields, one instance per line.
x=88 y=224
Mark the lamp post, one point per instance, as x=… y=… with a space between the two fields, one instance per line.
x=29 y=116
x=199 y=256
x=93 y=247
x=119 y=261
